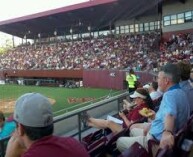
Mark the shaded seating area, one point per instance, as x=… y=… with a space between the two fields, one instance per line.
x=136 y=150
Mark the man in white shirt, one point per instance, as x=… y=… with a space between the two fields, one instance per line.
x=153 y=90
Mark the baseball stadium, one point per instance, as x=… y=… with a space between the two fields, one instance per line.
x=91 y=59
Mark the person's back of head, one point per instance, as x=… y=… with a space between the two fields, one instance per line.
x=131 y=71
x=33 y=111
x=185 y=69
x=154 y=85
x=172 y=72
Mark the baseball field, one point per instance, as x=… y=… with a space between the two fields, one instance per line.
x=62 y=99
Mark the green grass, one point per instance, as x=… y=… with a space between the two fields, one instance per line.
x=59 y=94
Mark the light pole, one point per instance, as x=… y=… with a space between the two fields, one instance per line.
x=55 y=34
x=25 y=37
x=89 y=29
x=71 y=32
x=13 y=41
x=39 y=36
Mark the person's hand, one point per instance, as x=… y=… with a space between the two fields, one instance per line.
x=121 y=114
x=127 y=105
x=146 y=129
x=167 y=140
x=14 y=147
x=152 y=116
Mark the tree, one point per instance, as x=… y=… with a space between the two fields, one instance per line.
x=6 y=46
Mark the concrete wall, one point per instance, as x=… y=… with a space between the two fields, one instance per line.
x=138 y=20
x=174 y=7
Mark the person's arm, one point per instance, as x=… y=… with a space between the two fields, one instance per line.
x=167 y=136
x=14 y=148
x=127 y=105
x=123 y=116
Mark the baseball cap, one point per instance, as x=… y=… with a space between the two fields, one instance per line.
x=137 y=95
x=146 y=86
x=33 y=110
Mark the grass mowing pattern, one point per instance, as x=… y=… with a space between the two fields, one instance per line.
x=59 y=94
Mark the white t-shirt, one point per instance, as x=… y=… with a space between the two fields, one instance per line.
x=155 y=95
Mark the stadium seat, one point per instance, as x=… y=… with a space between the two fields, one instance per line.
x=136 y=150
x=97 y=148
x=163 y=152
x=92 y=137
x=110 y=147
x=153 y=145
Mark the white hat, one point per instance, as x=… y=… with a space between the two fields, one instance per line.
x=137 y=95
x=146 y=86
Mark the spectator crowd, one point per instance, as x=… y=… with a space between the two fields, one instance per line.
x=139 y=51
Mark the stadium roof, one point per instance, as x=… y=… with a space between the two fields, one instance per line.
x=99 y=14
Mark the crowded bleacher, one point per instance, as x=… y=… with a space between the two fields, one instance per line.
x=138 y=51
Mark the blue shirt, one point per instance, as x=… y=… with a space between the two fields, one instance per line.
x=175 y=103
x=7 y=129
x=188 y=89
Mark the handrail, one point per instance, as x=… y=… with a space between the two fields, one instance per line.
x=119 y=98
x=89 y=107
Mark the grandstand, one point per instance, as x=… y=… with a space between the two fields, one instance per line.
x=96 y=43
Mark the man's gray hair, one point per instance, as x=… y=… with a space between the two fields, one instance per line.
x=172 y=71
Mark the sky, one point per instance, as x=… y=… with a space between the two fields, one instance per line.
x=10 y=9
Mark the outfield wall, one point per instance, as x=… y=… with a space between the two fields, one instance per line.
x=109 y=79
x=41 y=73
x=112 y=79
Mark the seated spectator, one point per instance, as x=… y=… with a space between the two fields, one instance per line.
x=185 y=69
x=33 y=136
x=6 y=127
x=152 y=89
x=141 y=100
x=171 y=116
